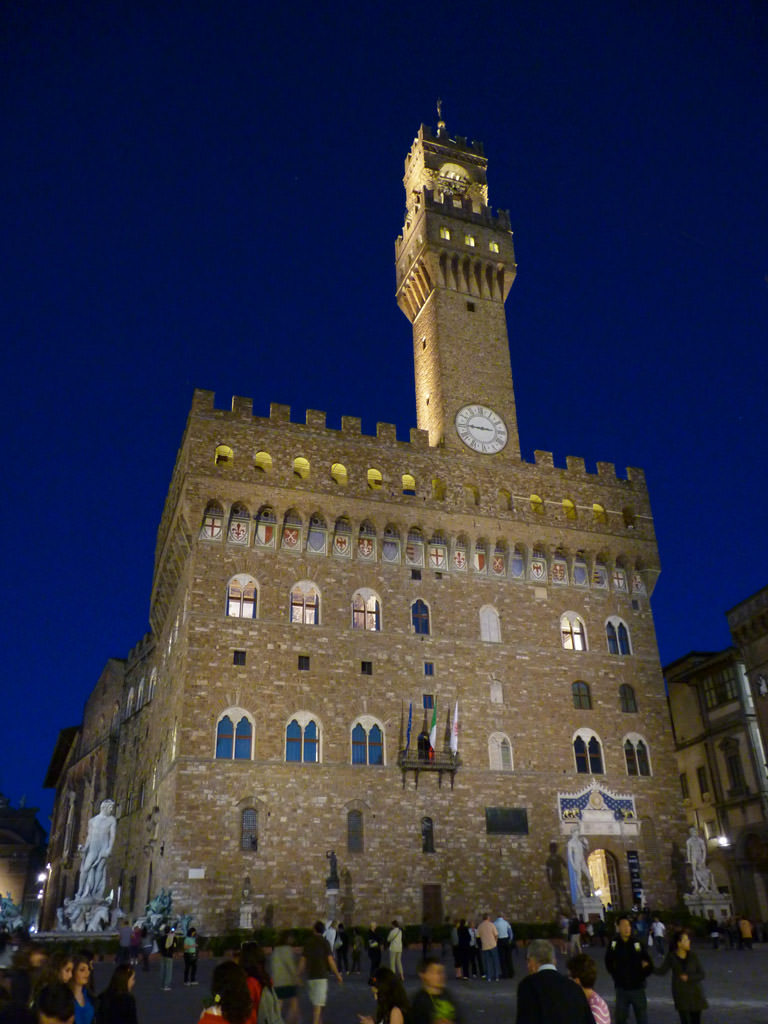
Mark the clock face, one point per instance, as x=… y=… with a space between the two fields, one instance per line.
x=481 y=429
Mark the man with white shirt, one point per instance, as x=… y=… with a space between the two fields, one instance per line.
x=506 y=937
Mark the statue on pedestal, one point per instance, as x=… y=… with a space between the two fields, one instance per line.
x=332 y=881
x=696 y=855
x=97 y=848
x=578 y=848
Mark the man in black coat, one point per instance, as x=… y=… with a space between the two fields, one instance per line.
x=629 y=964
x=546 y=996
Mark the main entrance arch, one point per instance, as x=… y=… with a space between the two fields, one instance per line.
x=605 y=875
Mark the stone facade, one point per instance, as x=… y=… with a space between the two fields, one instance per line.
x=482 y=582
x=721 y=761
x=22 y=858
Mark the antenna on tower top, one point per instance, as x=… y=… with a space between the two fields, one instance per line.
x=440 y=121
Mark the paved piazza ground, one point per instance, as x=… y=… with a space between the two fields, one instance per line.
x=736 y=987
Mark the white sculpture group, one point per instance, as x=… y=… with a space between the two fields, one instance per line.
x=88 y=911
x=696 y=854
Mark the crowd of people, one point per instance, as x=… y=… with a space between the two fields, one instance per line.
x=57 y=987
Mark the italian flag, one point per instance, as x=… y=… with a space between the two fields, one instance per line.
x=433 y=729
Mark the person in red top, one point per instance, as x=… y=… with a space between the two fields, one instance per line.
x=232 y=1003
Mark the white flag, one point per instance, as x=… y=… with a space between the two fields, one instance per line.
x=455 y=730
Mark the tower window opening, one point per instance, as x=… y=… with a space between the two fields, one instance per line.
x=469 y=240
x=493 y=246
x=470 y=307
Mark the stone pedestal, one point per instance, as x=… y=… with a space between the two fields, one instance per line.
x=246 y=915
x=331 y=903
x=588 y=907
x=709 y=904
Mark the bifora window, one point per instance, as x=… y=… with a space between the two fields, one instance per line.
x=234 y=742
x=366 y=611
x=367 y=745
x=572 y=632
x=636 y=756
x=617 y=636
x=241 y=597
x=588 y=754
x=420 y=618
x=305 y=603
x=302 y=743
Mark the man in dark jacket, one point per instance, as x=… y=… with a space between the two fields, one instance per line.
x=546 y=996
x=628 y=962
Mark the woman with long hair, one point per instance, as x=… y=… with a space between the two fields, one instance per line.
x=116 y=1004
x=687 y=975
x=58 y=967
x=392 y=1006
x=81 y=977
x=231 y=999
x=266 y=1007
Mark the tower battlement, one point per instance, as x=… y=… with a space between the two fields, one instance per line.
x=443 y=139
x=314 y=423
x=460 y=208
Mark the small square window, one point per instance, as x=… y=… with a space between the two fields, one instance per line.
x=366 y=668
x=303 y=663
x=415 y=574
x=429 y=701
x=238 y=657
x=429 y=669
x=635 y=605
x=470 y=307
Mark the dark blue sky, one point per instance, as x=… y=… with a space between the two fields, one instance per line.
x=207 y=195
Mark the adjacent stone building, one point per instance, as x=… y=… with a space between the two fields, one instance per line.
x=22 y=858
x=324 y=600
x=721 y=761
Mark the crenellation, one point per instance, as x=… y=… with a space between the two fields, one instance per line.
x=279 y=413
x=606 y=469
x=544 y=458
x=351 y=425
x=575 y=464
x=386 y=432
x=242 y=407
x=316 y=419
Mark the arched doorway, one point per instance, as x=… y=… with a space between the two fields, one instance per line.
x=605 y=875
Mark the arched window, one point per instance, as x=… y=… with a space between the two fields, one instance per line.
x=499 y=752
x=375 y=479
x=490 y=627
x=569 y=509
x=409 y=484
x=241 y=597
x=588 y=753
x=427 y=835
x=301 y=468
x=627 y=699
x=140 y=695
x=213 y=521
x=129 y=703
x=629 y=518
x=305 y=603
x=152 y=684
x=617 y=635
x=302 y=740
x=582 y=698
x=249 y=829
x=367 y=742
x=572 y=632
x=366 y=610
x=239 y=524
x=223 y=455
x=636 y=755
x=599 y=514
x=420 y=618
x=234 y=742
x=537 y=505
x=355 y=831
x=339 y=474
x=262 y=462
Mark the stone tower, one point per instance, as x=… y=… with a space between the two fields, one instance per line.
x=455 y=266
